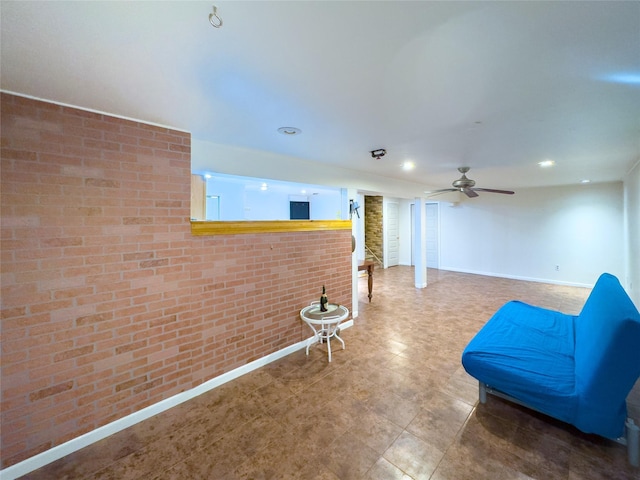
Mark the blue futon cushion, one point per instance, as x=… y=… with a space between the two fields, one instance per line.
x=607 y=357
x=578 y=369
x=527 y=352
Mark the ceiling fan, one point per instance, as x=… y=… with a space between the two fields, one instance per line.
x=466 y=186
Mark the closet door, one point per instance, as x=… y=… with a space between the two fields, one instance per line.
x=432 y=235
x=393 y=234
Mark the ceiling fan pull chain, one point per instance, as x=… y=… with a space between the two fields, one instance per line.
x=214 y=18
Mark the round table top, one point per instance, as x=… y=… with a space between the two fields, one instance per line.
x=334 y=312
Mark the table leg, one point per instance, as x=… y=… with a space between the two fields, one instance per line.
x=370 y=281
x=315 y=338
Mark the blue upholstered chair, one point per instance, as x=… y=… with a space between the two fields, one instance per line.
x=578 y=369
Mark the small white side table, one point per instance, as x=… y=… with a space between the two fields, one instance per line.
x=325 y=325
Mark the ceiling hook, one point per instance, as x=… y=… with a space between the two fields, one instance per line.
x=214 y=18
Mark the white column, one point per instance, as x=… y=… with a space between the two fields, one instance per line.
x=420 y=243
x=352 y=194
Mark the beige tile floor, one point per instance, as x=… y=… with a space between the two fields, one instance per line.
x=396 y=404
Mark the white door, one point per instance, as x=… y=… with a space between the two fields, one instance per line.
x=432 y=235
x=393 y=235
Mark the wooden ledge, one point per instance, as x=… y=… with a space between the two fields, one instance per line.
x=268 y=226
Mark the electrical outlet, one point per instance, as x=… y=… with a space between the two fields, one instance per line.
x=557 y=268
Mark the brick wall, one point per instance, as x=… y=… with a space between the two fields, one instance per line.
x=373 y=230
x=109 y=304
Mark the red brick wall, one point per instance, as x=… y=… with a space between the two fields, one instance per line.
x=108 y=303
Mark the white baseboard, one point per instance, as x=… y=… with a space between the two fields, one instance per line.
x=518 y=277
x=59 y=451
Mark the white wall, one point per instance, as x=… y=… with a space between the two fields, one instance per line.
x=632 y=233
x=231 y=198
x=244 y=200
x=579 y=228
x=230 y=160
x=358 y=227
x=266 y=205
x=325 y=207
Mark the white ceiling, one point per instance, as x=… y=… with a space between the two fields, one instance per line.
x=498 y=86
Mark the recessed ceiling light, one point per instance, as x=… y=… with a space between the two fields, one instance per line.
x=546 y=163
x=263 y=186
x=586 y=180
x=207 y=175
x=408 y=165
x=289 y=131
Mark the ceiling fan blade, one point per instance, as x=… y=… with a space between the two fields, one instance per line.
x=469 y=192
x=493 y=190
x=441 y=191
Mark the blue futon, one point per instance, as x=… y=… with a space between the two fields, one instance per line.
x=578 y=369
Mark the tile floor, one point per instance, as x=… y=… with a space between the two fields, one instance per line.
x=396 y=404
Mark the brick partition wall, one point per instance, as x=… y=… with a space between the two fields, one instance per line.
x=373 y=228
x=109 y=304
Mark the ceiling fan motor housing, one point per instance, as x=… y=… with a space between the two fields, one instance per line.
x=464 y=182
